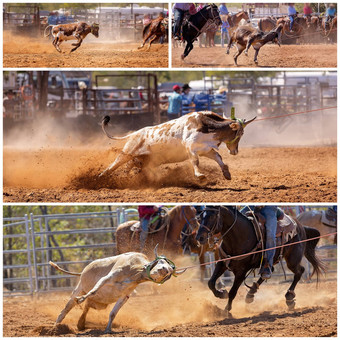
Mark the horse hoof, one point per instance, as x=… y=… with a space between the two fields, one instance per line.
x=290 y=304
x=249 y=298
x=182 y=56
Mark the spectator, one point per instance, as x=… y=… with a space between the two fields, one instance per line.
x=52 y=19
x=9 y=104
x=223 y=9
x=224 y=29
x=187 y=99
x=146 y=19
x=175 y=103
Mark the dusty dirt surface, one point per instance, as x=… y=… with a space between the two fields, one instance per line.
x=22 y=51
x=277 y=174
x=182 y=308
x=310 y=56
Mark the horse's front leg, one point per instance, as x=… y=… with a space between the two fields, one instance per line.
x=187 y=50
x=253 y=289
x=239 y=278
x=219 y=270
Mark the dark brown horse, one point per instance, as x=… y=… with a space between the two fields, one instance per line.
x=154 y=30
x=168 y=236
x=239 y=237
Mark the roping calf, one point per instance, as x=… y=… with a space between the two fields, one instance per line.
x=75 y=31
x=246 y=36
x=113 y=279
x=188 y=137
x=154 y=30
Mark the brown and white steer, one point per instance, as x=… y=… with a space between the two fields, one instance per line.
x=188 y=137
x=113 y=279
x=74 y=31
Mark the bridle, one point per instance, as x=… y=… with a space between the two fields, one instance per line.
x=217 y=226
x=190 y=225
x=152 y=264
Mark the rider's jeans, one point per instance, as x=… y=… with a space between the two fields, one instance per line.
x=270 y=213
x=291 y=22
x=144 y=233
x=178 y=16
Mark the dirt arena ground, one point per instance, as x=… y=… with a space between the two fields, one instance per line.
x=19 y=51
x=184 y=308
x=277 y=174
x=270 y=56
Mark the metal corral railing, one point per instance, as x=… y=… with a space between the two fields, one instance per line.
x=30 y=271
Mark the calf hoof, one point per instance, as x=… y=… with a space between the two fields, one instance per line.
x=202 y=179
x=81 y=326
x=246 y=53
x=182 y=56
x=108 y=331
x=227 y=175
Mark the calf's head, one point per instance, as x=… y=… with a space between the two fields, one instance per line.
x=237 y=128
x=95 y=29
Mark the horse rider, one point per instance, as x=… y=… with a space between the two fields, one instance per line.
x=271 y=213
x=307 y=12
x=180 y=10
x=291 y=13
x=330 y=14
x=146 y=212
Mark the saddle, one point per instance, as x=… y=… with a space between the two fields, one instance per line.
x=286 y=227
x=329 y=218
x=154 y=225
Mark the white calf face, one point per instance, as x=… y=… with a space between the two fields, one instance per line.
x=161 y=271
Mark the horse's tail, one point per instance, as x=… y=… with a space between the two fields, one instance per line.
x=318 y=266
x=145 y=29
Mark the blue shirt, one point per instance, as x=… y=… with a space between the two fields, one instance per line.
x=291 y=10
x=223 y=9
x=330 y=12
x=52 y=20
x=175 y=103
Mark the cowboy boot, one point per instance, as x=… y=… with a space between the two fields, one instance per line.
x=265 y=271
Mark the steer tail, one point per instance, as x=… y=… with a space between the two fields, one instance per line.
x=105 y=121
x=49 y=32
x=318 y=266
x=63 y=270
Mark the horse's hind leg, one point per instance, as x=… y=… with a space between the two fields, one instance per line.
x=294 y=265
x=253 y=289
x=151 y=41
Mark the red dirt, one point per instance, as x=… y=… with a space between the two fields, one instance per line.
x=304 y=56
x=277 y=174
x=184 y=309
x=19 y=51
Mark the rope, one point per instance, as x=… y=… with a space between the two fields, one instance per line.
x=296 y=113
x=256 y=252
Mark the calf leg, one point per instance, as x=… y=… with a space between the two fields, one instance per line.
x=119 y=304
x=100 y=283
x=212 y=154
x=81 y=321
x=151 y=41
x=56 y=44
x=255 y=57
x=194 y=161
x=77 y=45
x=240 y=49
x=120 y=160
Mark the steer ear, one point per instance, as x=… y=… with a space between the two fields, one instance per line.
x=235 y=126
x=245 y=123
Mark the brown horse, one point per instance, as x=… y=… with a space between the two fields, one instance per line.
x=234 y=19
x=168 y=236
x=330 y=29
x=154 y=30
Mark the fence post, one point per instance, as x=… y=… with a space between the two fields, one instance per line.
x=34 y=253
x=29 y=254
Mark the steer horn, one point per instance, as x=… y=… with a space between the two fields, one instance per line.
x=179 y=272
x=155 y=251
x=245 y=123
